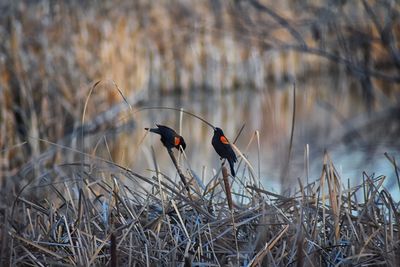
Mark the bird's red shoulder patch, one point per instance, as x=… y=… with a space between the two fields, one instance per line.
x=224 y=140
x=177 y=141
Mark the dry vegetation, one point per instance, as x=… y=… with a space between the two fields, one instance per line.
x=100 y=213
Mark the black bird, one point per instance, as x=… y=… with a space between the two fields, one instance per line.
x=224 y=148
x=169 y=137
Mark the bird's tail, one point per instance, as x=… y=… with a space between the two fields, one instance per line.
x=231 y=164
x=153 y=130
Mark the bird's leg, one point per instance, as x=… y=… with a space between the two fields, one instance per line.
x=181 y=175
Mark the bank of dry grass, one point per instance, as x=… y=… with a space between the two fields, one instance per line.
x=104 y=214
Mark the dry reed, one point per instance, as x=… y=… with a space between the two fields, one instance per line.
x=101 y=213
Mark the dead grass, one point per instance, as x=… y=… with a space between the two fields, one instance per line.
x=98 y=212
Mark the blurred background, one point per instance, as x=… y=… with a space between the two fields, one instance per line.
x=230 y=62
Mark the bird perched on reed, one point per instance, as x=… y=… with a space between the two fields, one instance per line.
x=223 y=148
x=169 y=137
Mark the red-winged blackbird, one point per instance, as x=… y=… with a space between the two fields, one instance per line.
x=169 y=137
x=224 y=148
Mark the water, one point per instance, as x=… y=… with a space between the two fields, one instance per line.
x=325 y=119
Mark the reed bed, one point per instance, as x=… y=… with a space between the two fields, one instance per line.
x=100 y=213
